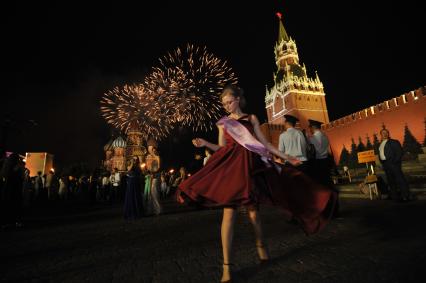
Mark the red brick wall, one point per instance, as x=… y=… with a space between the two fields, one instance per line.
x=272 y=132
x=410 y=111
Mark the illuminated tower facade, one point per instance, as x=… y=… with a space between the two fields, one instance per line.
x=134 y=143
x=294 y=92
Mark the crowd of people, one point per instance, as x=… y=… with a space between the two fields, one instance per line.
x=20 y=191
x=310 y=149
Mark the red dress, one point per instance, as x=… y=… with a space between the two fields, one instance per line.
x=235 y=176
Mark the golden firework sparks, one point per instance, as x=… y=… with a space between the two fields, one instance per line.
x=188 y=82
x=130 y=105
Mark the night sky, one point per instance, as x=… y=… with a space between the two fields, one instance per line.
x=60 y=59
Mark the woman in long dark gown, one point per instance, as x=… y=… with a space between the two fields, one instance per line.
x=133 y=198
x=241 y=173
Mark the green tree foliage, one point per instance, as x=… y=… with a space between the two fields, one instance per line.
x=361 y=146
x=353 y=155
x=376 y=144
x=369 y=145
x=344 y=157
x=411 y=147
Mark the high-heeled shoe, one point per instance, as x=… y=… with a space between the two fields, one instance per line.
x=263 y=260
x=230 y=280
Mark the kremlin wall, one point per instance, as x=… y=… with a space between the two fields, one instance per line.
x=408 y=109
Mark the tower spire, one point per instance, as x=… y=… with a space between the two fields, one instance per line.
x=282 y=34
x=293 y=88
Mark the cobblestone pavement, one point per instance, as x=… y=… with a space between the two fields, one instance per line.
x=374 y=241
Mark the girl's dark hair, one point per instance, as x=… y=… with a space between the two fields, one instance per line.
x=236 y=92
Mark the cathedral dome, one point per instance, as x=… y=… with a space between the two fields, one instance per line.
x=119 y=142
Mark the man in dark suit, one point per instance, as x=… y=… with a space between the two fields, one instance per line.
x=390 y=154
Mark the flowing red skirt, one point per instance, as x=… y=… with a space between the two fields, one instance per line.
x=235 y=176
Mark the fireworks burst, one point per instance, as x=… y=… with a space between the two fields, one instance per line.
x=135 y=106
x=188 y=83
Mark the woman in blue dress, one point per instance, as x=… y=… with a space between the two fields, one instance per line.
x=133 y=197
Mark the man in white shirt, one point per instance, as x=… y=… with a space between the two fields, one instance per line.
x=382 y=148
x=115 y=184
x=105 y=187
x=319 y=140
x=293 y=143
x=323 y=162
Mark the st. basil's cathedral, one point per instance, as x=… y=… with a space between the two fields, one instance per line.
x=119 y=151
